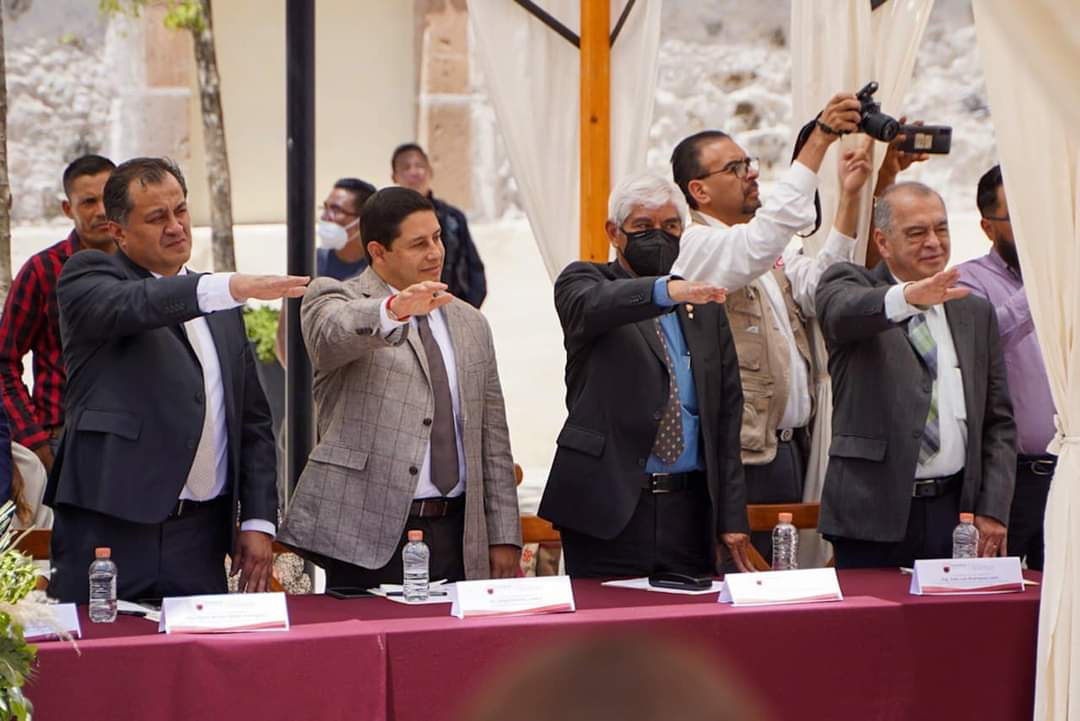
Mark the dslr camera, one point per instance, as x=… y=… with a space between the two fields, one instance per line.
x=935 y=139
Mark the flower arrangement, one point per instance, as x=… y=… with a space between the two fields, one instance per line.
x=19 y=605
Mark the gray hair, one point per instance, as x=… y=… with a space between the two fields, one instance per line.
x=883 y=210
x=648 y=190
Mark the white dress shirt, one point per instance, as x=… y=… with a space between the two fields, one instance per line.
x=952 y=413
x=803 y=272
x=214 y=295
x=437 y=324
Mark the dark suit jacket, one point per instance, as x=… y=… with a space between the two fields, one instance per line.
x=881 y=397
x=616 y=390
x=134 y=399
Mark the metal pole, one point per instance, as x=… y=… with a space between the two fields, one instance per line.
x=300 y=188
x=595 y=128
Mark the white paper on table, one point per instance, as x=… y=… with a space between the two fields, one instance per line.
x=513 y=597
x=136 y=609
x=65 y=620
x=447 y=591
x=642 y=584
x=225 y=613
x=966 y=576
x=765 y=588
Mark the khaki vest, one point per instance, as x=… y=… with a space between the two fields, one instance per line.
x=764 y=361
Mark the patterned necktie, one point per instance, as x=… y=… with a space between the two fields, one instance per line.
x=923 y=341
x=668 y=445
x=444 y=455
x=203 y=474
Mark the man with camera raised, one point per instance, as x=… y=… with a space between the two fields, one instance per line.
x=736 y=242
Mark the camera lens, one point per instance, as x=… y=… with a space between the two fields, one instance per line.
x=880 y=126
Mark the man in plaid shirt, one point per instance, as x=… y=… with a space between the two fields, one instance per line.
x=31 y=320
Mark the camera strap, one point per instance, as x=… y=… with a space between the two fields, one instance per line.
x=800 y=141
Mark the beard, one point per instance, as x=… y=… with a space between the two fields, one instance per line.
x=1007 y=250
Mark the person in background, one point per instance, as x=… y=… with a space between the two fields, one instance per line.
x=922 y=425
x=31 y=319
x=997 y=277
x=463 y=271
x=646 y=476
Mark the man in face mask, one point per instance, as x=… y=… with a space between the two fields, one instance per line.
x=646 y=477
x=341 y=253
x=996 y=276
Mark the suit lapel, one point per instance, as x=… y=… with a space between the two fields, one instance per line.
x=964 y=344
x=647 y=328
x=698 y=346
x=455 y=326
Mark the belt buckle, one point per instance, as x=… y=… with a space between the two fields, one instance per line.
x=786 y=434
x=921 y=484
x=1043 y=468
x=652 y=483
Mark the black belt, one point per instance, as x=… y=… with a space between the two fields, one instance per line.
x=670 y=482
x=934 y=487
x=1038 y=465
x=186 y=507
x=436 y=507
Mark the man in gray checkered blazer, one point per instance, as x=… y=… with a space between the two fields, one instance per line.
x=411 y=419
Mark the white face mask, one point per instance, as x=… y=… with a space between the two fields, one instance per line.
x=333 y=236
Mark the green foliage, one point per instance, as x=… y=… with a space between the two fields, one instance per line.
x=180 y=14
x=17 y=577
x=261 y=324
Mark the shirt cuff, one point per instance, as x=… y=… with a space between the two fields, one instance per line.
x=801 y=178
x=257 y=524
x=388 y=325
x=660 y=295
x=839 y=245
x=897 y=309
x=213 y=293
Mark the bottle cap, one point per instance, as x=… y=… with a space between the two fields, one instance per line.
x=416 y=535
x=967 y=518
x=784 y=517
x=102 y=552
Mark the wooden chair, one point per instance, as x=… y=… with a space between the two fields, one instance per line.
x=763 y=517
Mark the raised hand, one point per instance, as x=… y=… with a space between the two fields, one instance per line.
x=896 y=161
x=855 y=167
x=936 y=289
x=841 y=114
x=420 y=299
x=266 y=287
x=688 y=291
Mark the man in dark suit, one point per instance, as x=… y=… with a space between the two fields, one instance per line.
x=647 y=476
x=922 y=422
x=167 y=429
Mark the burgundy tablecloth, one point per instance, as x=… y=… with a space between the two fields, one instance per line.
x=879 y=654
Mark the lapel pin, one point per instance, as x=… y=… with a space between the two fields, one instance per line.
x=690 y=311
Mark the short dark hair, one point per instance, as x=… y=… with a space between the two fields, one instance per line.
x=686 y=160
x=360 y=190
x=383 y=213
x=986 y=196
x=406 y=148
x=146 y=171
x=85 y=165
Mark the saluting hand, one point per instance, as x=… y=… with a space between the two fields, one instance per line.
x=688 y=291
x=420 y=299
x=936 y=289
x=266 y=287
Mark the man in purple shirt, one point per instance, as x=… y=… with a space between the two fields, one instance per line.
x=997 y=277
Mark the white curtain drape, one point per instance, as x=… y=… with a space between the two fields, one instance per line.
x=1030 y=53
x=532 y=75
x=841 y=45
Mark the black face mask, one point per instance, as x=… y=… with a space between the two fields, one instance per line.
x=651 y=252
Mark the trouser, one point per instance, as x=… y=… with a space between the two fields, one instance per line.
x=667 y=532
x=931 y=522
x=181 y=556
x=780 y=481
x=1028 y=510
x=443 y=537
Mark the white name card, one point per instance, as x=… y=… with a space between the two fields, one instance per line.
x=225 y=613
x=65 y=620
x=964 y=576
x=513 y=597
x=811 y=585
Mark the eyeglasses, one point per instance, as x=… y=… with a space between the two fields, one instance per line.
x=739 y=168
x=336 y=211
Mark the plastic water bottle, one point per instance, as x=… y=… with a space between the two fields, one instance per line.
x=965 y=537
x=414 y=559
x=102 y=587
x=785 y=544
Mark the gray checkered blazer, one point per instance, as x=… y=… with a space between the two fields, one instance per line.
x=372 y=394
